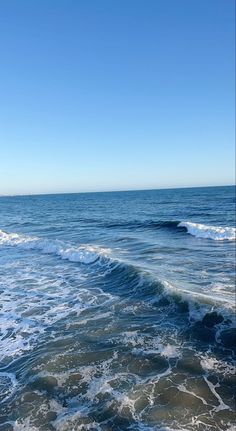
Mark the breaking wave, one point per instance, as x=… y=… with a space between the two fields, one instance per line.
x=120 y=273
x=82 y=254
x=128 y=280
x=200 y=230
x=217 y=233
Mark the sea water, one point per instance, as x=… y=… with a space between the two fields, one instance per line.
x=117 y=311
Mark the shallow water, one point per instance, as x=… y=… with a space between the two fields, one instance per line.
x=117 y=311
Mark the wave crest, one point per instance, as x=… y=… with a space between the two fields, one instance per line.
x=82 y=254
x=217 y=233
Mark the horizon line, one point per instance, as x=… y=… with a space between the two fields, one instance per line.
x=112 y=191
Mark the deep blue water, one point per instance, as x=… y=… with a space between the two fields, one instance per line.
x=117 y=310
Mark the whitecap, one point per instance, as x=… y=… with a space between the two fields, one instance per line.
x=217 y=233
x=82 y=254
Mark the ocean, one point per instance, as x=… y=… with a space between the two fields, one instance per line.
x=117 y=311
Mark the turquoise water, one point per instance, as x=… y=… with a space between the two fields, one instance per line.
x=117 y=311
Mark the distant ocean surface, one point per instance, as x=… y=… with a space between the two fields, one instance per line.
x=117 y=311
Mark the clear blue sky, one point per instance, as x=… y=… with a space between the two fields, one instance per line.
x=115 y=94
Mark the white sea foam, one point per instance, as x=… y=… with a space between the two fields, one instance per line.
x=145 y=345
x=170 y=351
x=217 y=233
x=83 y=254
x=20 y=425
x=210 y=364
x=33 y=299
x=25 y=318
x=8 y=384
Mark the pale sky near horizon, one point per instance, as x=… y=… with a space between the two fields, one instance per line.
x=115 y=95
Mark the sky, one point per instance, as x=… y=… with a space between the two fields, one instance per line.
x=103 y=95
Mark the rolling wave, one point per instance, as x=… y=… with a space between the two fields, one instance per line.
x=204 y=318
x=200 y=230
x=82 y=254
x=122 y=277
x=216 y=233
x=146 y=224
x=87 y=254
